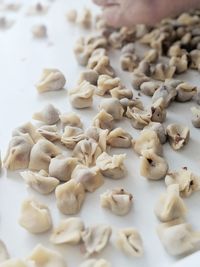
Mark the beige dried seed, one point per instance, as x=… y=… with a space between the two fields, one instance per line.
x=91 y=178
x=90 y=76
x=40 y=181
x=41 y=154
x=113 y=107
x=103 y=67
x=35 y=217
x=82 y=51
x=27 y=128
x=148 y=140
x=185 y=92
x=44 y=257
x=148 y=88
x=139 y=118
x=195 y=59
x=175 y=50
x=96 y=55
x=144 y=67
x=118 y=201
x=96 y=238
x=129 y=241
x=180 y=63
x=128 y=49
x=178 y=135
x=106 y=83
x=70 y=197
x=61 y=167
x=70 y=119
x=51 y=80
x=121 y=92
x=87 y=151
x=39 y=31
x=166 y=92
x=50 y=132
x=112 y=166
x=178 y=238
x=195 y=117
x=158 y=111
x=95 y=263
x=103 y=120
x=115 y=40
x=119 y=138
x=187 y=181
x=49 y=115
x=71 y=136
x=134 y=102
x=151 y=56
x=85 y=18
x=71 y=15
x=18 y=152
x=159 y=129
x=139 y=78
x=4 y=255
x=162 y=72
x=170 y=205
x=82 y=95
x=129 y=62
x=99 y=135
x=152 y=166
x=68 y=231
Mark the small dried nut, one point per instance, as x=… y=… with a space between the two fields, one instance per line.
x=70 y=197
x=87 y=151
x=163 y=71
x=139 y=78
x=82 y=95
x=180 y=63
x=35 y=217
x=41 y=155
x=185 y=92
x=61 y=167
x=121 y=92
x=195 y=59
x=51 y=80
x=139 y=118
x=172 y=82
x=187 y=181
x=4 y=255
x=50 y=132
x=178 y=135
x=90 y=76
x=119 y=138
x=96 y=55
x=96 y=238
x=27 y=128
x=49 y=115
x=167 y=93
x=131 y=103
x=39 y=31
x=113 y=107
x=103 y=120
x=82 y=51
x=115 y=40
x=158 y=111
x=151 y=56
x=187 y=19
x=148 y=88
x=85 y=18
x=71 y=15
x=18 y=153
x=103 y=66
x=152 y=166
x=44 y=257
x=112 y=166
x=128 y=49
x=195 y=117
x=37 y=9
x=70 y=119
x=40 y=181
x=129 y=62
x=129 y=241
x=106 y=83
x=90 y=178
x=68 y=232
x=170 y=205
x=144 y=67
x=95 y=263
x=71 y=136
x=99 y=135
x=197 y=97
x=148 y=139
x=178 y=238
x=159 y=129
x=117 y=200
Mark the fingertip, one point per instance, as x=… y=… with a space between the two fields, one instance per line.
x=112 y=16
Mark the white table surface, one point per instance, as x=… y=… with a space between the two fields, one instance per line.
x=22 y=59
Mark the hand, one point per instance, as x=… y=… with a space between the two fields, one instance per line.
x=119 y=13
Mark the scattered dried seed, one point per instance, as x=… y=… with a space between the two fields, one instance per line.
x=178 y=135
x=195 y=117
x=49 y=115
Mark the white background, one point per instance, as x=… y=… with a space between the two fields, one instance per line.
x=22 y=59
